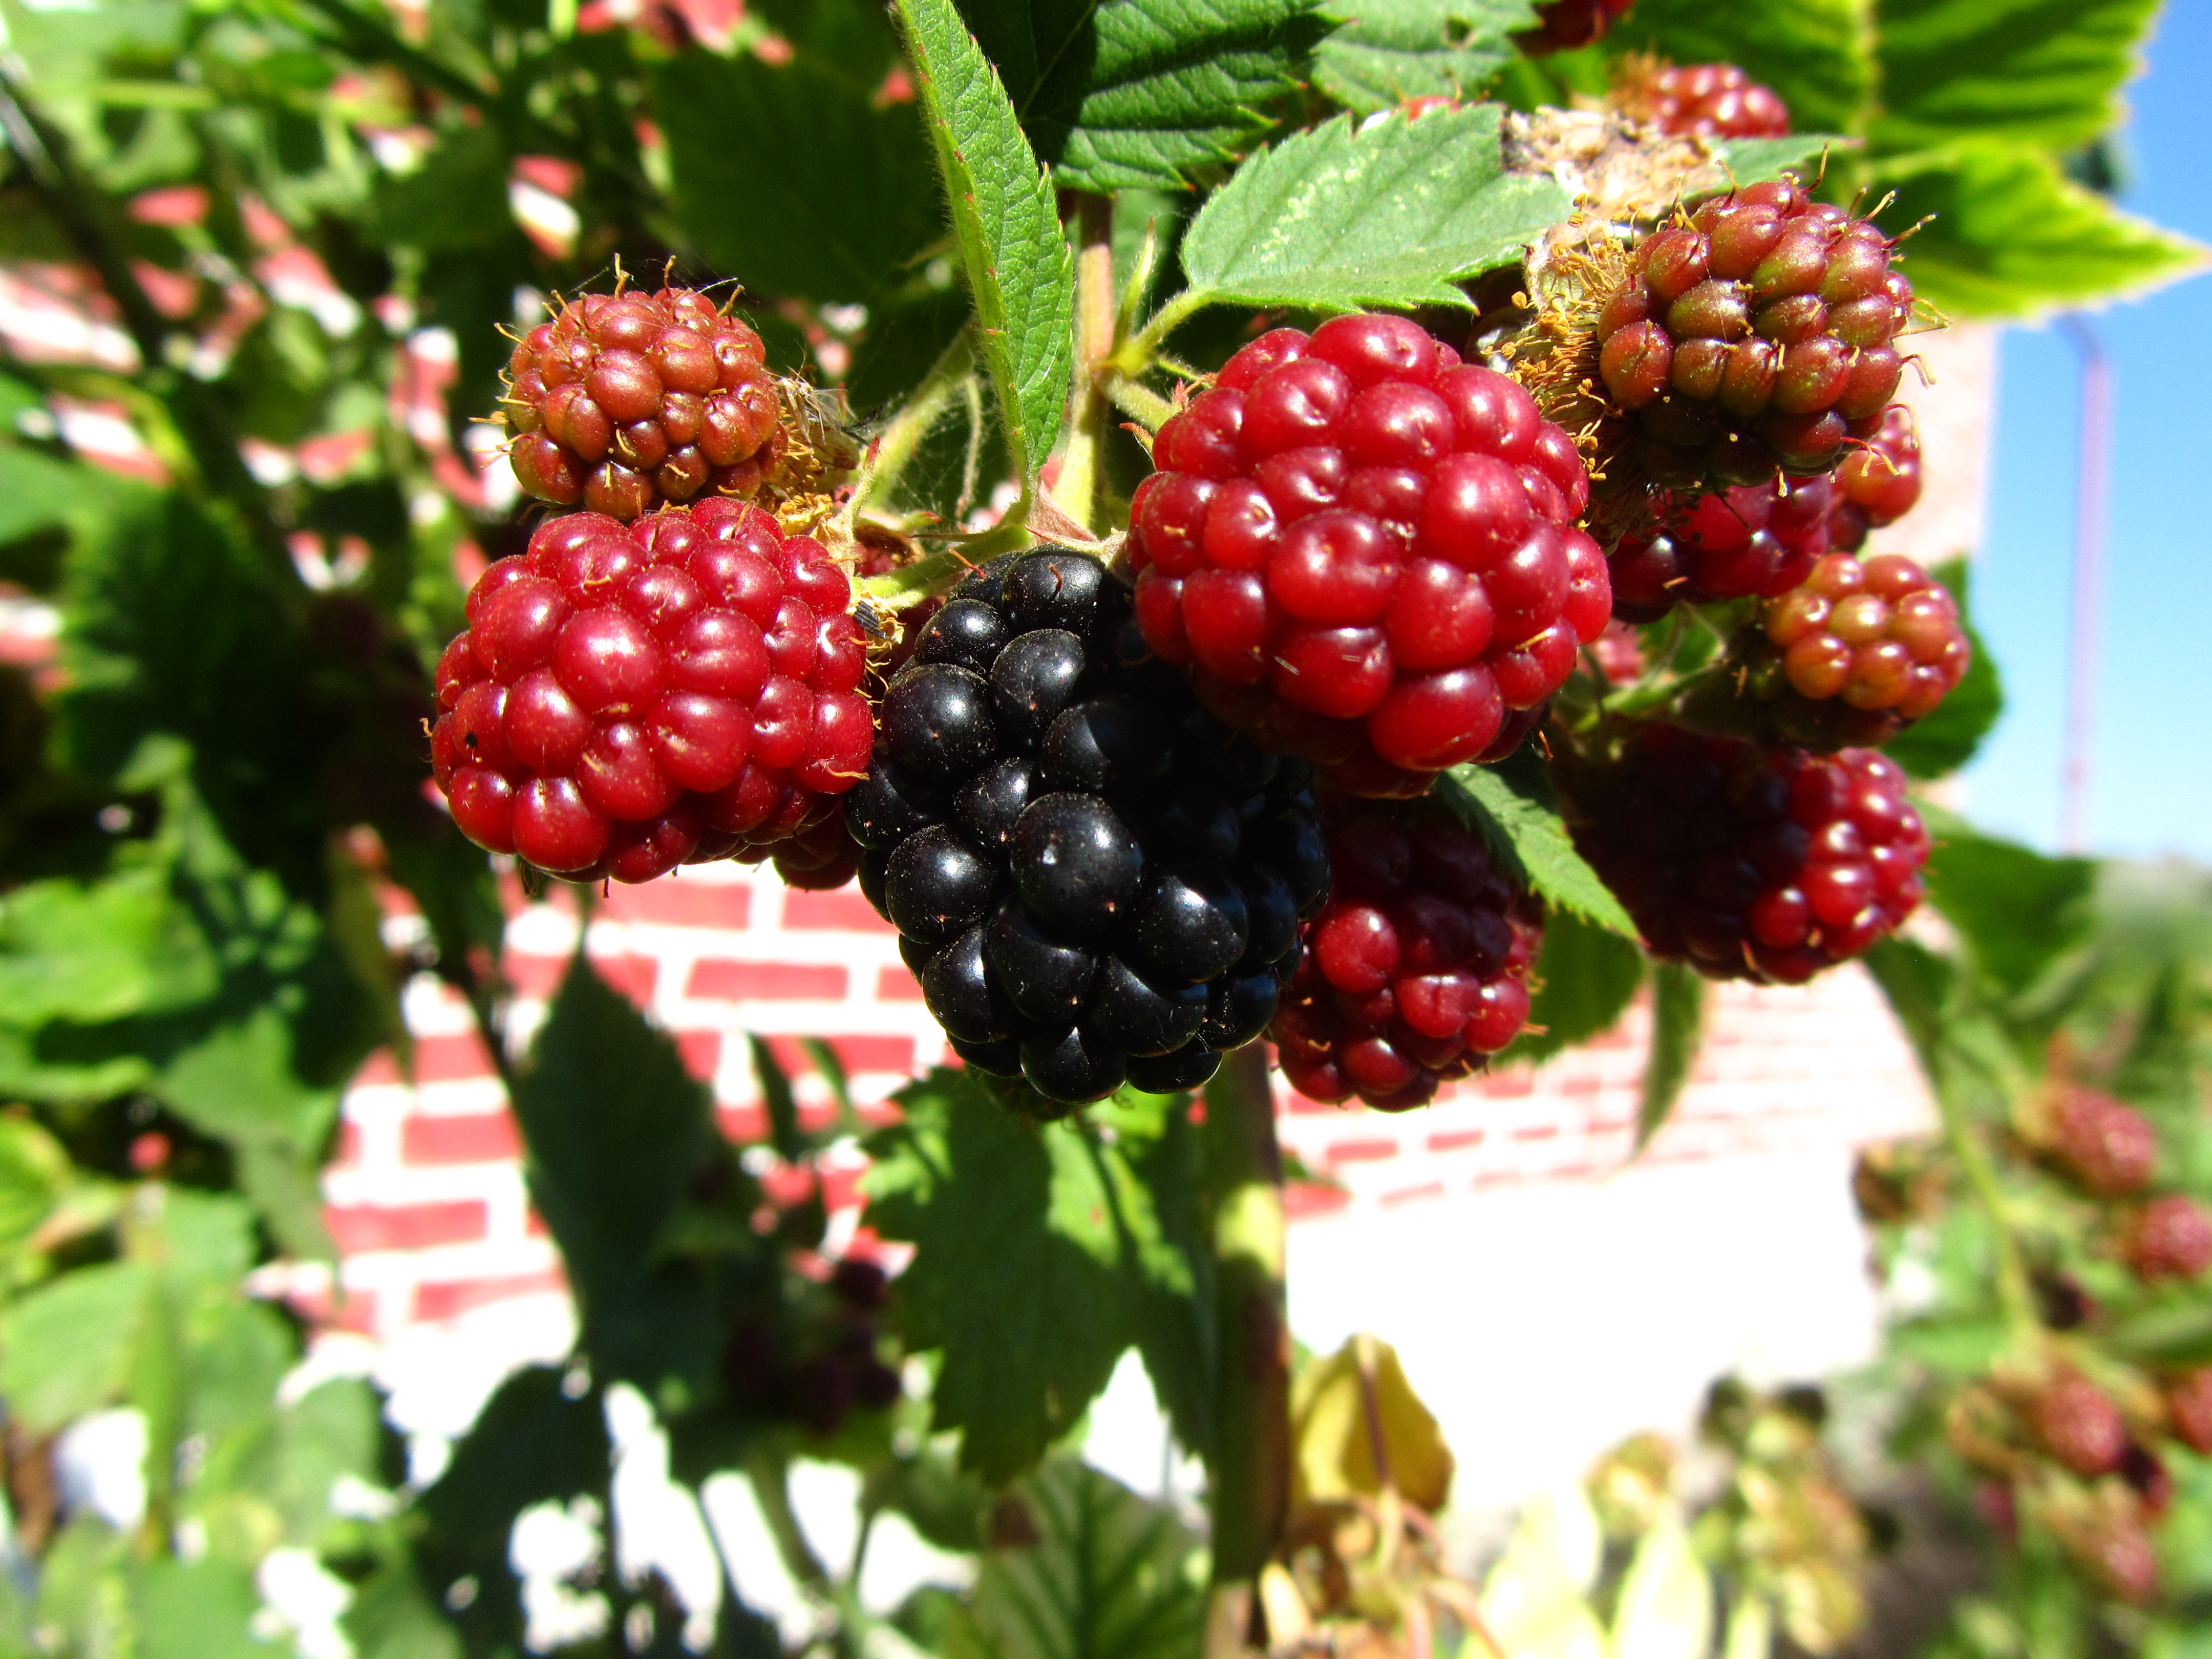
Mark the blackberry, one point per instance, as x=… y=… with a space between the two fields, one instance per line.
x=631 y=697
x=1749 y=540
x=820 y=858
x=1416 y=970
x=815 y=1358
x=1562 y=25
x=2169 y=1237
x=2076 y=1422
x=2188 y=1409
x=622 y=402
x=1365 y=551
x=2109 y=1148
x=1094 y=880
x=1699 y=100
x=1878 y=482
x=1749 y=862
x=1756 y=336
x=1856 y=653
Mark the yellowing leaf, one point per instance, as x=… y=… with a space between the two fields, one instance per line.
x=1534 y=1600
x=1340 y=1406
x=1667 y=1601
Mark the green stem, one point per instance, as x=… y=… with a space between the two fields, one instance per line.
x=1139 y=402
x=1137 y=353
x=1077 y=491
x=1251 y=1472
x=2015 y=1293
x=769 y=1471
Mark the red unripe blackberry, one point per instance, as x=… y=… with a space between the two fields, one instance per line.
x=1415 y=971
x=1878 y=482
x=625 y=401
x=1747 y=862
x=1562 y=25
x=2146 y=1476
x=2188 y=1408
x=1857 y=652
x=1755 y=337
x=2169 y=1237
x=2120 y=1558
x=1365 y=551
x=1703 y=100
x=631 y=697
x=1748 y=541
x=2076 y=1422
x=2109 y=1148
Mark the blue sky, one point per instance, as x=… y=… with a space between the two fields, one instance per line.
x=2152 y=785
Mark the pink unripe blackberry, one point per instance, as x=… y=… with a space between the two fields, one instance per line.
x=1756 y=336
x=1747 y=862
x=2188 y=1409
x=2120 y=1558
x=1857 y=652
x=625 y=401
x=2076 y=1422
x=2169 y=1237
x=1415 y=970
x=2108 y=1147
x=1750 y=540
x=630 y=698
x=1878 y=482
x=1701 y=100
x=1366 y=551
x=1562 y=25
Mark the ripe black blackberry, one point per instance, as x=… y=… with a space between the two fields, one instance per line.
x=1095 y=880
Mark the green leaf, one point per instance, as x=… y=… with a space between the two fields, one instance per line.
x=36 y=491
x=1918 y=984
x=614 y=1129
x=199 y=1609
x=2018 y=913
x=783 y=1131
x=1108 y=1573
x=791 y=179
x=2008 y=235
x=1947 y=739
x=65 y=1347
x=2008 y=72
x=1006 y=224
x=1117 y=94
x=1157 y=1169
x=1385 y=51
x=1019 y=1273
x=1585 y=978
x=456 y=200
x=1514 y=810
x=1349 y=214
x=393 y=1617
x=1678 y=1029
x=1816 y=55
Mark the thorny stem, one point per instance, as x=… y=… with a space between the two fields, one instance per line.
x=1077 y=491
x=1250 y=1476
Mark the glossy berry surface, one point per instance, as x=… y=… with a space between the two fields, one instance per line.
x=1877 y=482
x=2107 y=1147
x=2169 y=1237
x=1562 y=25
x=1415 y=972
x=1704 y=100
x=2076 y=1422
x=1857 y=652
x=1747 y=541
x=1365 y=551
x=1747 y=862
x=1758 y=337
x=624 y=402
x=1096 y=881
x=628 y=698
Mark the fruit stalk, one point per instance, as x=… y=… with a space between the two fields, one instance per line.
x=1251 y=1461
x=1077 y=491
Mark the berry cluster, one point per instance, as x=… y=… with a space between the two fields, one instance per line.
x=1879 y=482
x=1747 y=862
x=1366 y=551
x=1756 y=336
x=1093 y=880
x=631 y=697
x=1562 y=25
x=2105 y=1147
x=1857 y=652
x=816 y=1374
x=1750 y=539
x=626 y=401
x=1701 y=100
x=1416 y=970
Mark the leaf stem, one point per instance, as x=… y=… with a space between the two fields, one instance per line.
x=1077 y=491
x=1136 y=354
x=1250 y=1476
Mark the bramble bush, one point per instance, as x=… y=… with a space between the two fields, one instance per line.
x=1349 y=525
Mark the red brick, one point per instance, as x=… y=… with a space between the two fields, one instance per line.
x=456 y=1296
x=680 y=903
x=857 y=1054
x=633 y=975
x=896 y=985
x=840 y=1188
x=355 y=1311
x=842 y=910
x=744 y=1124
x=478 y=1138
x=1302 y=1198
x=1294 y=1102
x=451 y=1059
x=1508 y=1085
x=533 y=976
x=701 y=1052
x=1360 y=1151
x=349 y=1148
x=1410 y=1194
x=360 y=1227
x=1452 y=1140
x=765 y=981
x=1536 y=1132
